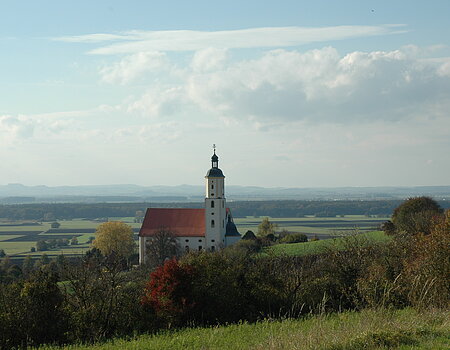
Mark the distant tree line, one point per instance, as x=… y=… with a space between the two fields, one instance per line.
x=67 y=211
x=282 y=208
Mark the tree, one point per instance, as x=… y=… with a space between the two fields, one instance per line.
x=388 y=227
x=114 y=237
x=249 y=235
x=27 y=265
x=55 y=224
x=169 y=290
x=266 y=228
x=41 y=245
x=2 y=253
x=74 y=240
x=416 y=215
x=161 y=246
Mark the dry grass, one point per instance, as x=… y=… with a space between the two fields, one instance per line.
x=369 y=329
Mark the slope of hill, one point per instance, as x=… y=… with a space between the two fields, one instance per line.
x=368 y=329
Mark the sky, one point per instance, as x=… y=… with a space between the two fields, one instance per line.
x=293 y=93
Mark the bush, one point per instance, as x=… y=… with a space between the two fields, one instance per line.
x=41 y=245
x=32 y=312
x=416 y=215
x=55 y=224
x=428 y=267
x=169 y=291
x=294 y=238
x=250 y=246
x=249 y=235
x=104 y=301
x=211 y=288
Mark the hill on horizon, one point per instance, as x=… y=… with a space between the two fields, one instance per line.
x=19 y=193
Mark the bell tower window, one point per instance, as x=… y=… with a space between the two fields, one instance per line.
x=212 y=204
x=212 y=223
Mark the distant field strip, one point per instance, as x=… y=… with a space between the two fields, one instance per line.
x=35 y=238
x=19 y=233
x=4 y=238
x=71 y=230
x=77 y=230
x=321 y=227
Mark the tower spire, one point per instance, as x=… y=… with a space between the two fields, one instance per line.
x=214 y=158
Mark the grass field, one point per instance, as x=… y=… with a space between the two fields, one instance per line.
x=315 y=247
x=368 y=329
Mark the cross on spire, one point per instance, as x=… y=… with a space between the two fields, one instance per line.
x=214 y=147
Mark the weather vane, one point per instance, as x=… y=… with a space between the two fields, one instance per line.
x=214 y=147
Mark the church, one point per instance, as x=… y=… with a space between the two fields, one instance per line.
x=209 y=228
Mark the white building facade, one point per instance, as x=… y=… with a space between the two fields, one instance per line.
x=211 y=228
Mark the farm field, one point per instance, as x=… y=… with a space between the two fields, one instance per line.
x=323 y=228
x=17 y=238
x=368 y=329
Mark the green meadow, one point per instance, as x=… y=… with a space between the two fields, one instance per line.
x=368 y=329
x=316 y=247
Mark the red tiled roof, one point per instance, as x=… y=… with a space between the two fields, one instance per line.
x=182 y=221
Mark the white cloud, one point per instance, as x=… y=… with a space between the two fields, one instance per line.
x=190 y=40
x=288 y=85
x=94 y=38
x=209 y=59
x=159 y=101
x=16 y=127
x=321 y=85
x=133 y=67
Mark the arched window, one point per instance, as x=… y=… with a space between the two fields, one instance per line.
x=212 y=223
x=212 y=204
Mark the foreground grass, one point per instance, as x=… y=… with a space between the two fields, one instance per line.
x=369 y=329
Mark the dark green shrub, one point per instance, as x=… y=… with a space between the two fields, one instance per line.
x=294 y=238
x=249 y=235
x=416 y=215
x=249 y=246
x=31 y=312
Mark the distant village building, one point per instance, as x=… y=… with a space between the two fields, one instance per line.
x=210 y=228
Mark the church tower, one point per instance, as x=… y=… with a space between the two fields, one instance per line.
x=215 y=206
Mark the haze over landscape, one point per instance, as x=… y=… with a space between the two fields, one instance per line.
x=224 y=175
x=294 y=93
